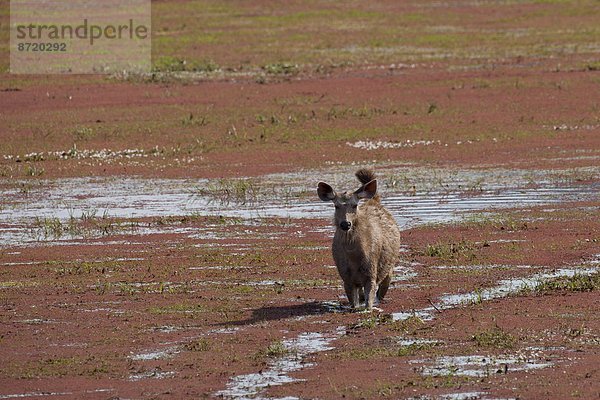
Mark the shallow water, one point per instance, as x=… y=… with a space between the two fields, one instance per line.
x=250 y=386
x=504 y=288
x=153 y=374
x=414 y=196
x=479 y=366
x=33 y=394
x=51 y=394
x=461 y=396
x=458 y=396
x=416 y=341
x=155 y=355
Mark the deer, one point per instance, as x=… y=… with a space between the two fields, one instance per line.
x=366 y=243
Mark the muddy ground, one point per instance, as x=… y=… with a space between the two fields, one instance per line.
x=160 y=315
x=160 y=235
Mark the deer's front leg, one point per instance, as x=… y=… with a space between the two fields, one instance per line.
x=352 y=294
x=370 y=293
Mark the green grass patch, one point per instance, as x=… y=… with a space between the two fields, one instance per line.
x=246 y=191
x=575 y=283
x=593 y=66
x=88 y=268
x=84 y=133
x=34 y=170
x=367 y=353
x=372 y=321
x=453 y=252
x=370 y=353
x=281 y=68
x=412 y=349
x=199 y=345
x=495 y=337
x=237 y=191
x=275 y=349
x=409 y=325
x=176 y=64
x=499 y=221
x=89 y=223
x=60 y=367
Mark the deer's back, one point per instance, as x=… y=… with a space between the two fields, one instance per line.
x=380 y=220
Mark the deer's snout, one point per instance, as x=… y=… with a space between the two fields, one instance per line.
x=345 y=225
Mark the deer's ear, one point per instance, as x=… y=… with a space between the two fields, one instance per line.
x=368 y=190
x=325 y=192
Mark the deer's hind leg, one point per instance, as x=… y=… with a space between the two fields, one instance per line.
x=383 y=287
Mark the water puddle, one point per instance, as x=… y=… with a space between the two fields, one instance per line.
x=38 y=321
x=156 y=373
x=12 y=264
x=166 y=329
x=50 y=210
x=50 y=394
x=374 y=145
x=462 y=396
x=33 y=394
x=155 y=355
x=251 y=386
x=407 y=342
x=403 y=273
x=224 y=331
x=220 y=268
x=481 y=267
x=504 y=288
x=479 y=366
x=104 y=309
x=459 y=396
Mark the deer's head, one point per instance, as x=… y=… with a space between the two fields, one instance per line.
x=346 y=204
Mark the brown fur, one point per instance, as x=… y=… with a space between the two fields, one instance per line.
x=366 y=252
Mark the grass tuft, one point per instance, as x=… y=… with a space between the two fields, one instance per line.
x=460 y=251
x=495 y=337
x=575 y=283
x=274 y=350
x=281 y=68
x=175 y=64
x=198 y=345
x=372 y=321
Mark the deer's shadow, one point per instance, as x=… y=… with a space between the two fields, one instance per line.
x=271 y=313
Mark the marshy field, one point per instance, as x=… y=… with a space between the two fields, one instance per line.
x=161 y=235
